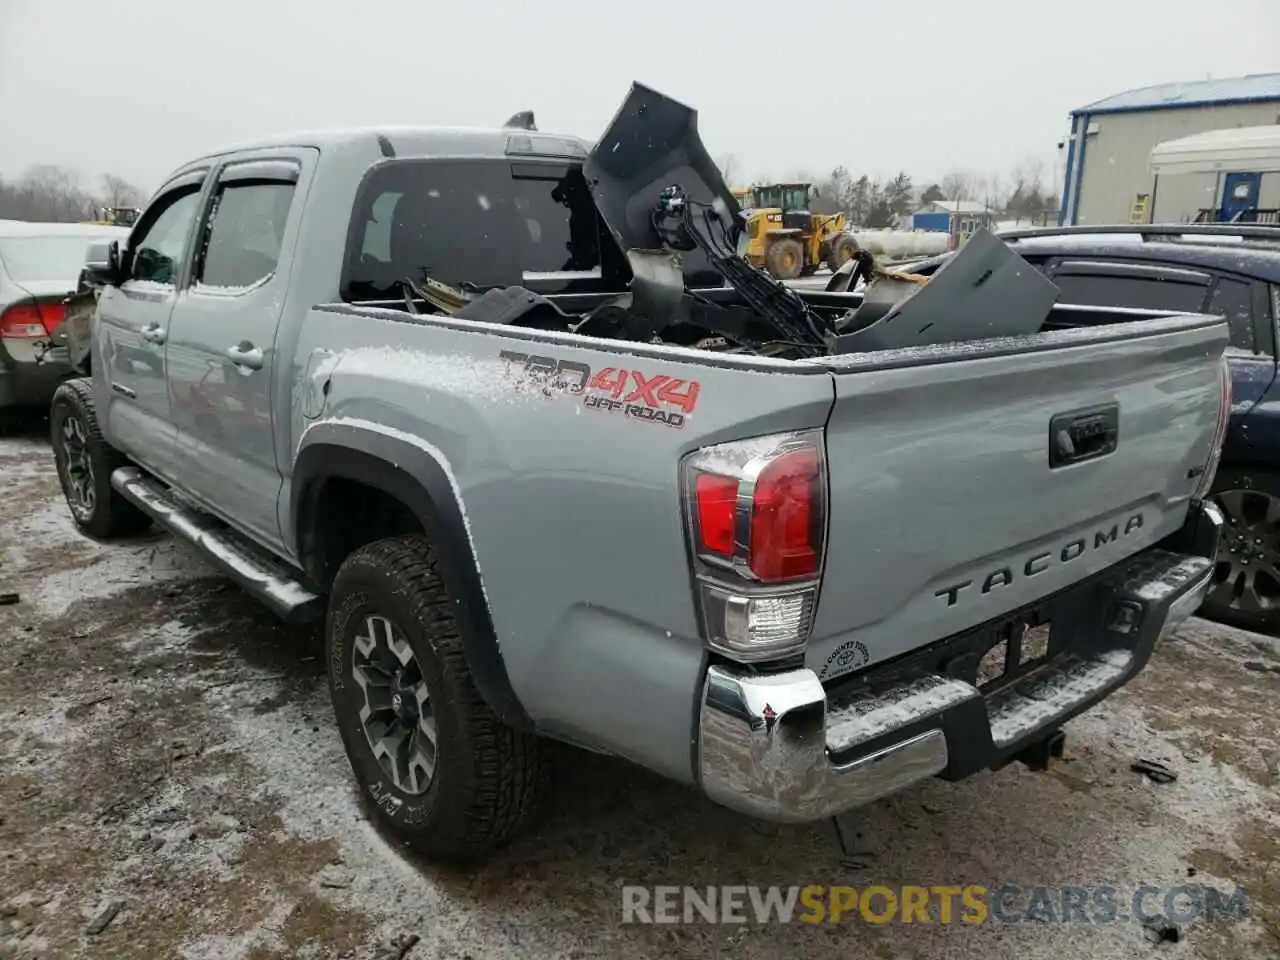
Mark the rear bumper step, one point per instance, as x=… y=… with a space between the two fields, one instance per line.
x=781 y=747
x=233 y=555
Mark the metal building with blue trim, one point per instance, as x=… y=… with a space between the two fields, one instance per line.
x=1108 y=177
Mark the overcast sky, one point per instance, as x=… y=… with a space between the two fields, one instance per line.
x=136 y=87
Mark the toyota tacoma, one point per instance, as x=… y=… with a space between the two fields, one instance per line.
x=507 y=411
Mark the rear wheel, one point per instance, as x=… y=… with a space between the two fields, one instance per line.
x=440 y=767
x=842 y=251
x=785 y=259
x=1245 y=590
x=85 y=462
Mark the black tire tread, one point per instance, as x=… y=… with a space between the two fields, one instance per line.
x=833 y=258
x=772 y=255
x=1266 y=480
x=506 y=776
x=115 y=516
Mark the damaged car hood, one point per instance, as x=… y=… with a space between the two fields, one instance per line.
x=652 y=143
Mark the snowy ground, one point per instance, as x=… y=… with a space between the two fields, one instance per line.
x=166 y=750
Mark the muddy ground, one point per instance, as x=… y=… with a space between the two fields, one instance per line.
x=167 y=753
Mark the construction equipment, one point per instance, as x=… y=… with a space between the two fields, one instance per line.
x=118 y=216
x=787 y=238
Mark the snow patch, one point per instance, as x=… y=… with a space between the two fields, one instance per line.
x=451 y=374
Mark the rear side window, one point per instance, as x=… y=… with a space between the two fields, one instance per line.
x=483 y=223
x=1114 y=290
x=1233 y=299
x=244 y=233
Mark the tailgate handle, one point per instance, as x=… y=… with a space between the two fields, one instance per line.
x=1083 y=435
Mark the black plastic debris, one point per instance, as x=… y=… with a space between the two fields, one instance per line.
x=1155 y=771
x=1257 y=666
x=1160 y=931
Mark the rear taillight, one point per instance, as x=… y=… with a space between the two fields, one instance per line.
x=31 y=320
x=1219 y=432
x=757 y=519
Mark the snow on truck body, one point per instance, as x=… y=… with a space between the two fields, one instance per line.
x=767 y=570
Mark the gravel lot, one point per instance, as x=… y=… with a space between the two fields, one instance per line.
x=167 y=749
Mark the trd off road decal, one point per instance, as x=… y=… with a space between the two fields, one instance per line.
x=651 y=398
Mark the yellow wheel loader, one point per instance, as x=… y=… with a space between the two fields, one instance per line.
x=786 y=237
x=118 y=216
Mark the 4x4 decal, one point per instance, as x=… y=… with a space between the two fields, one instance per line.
x=648 y=397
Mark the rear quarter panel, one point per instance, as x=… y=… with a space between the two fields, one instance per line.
x=573 y=511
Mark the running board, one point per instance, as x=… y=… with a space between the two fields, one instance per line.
x=263 y=576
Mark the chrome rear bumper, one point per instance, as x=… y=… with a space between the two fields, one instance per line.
x=779 y=747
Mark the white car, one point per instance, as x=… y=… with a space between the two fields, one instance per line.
x=40 y=265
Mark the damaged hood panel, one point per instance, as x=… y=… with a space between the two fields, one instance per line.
x=652 y=143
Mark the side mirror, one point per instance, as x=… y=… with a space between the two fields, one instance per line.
x=102 y=264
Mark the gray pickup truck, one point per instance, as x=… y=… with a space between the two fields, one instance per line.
x=551 y=463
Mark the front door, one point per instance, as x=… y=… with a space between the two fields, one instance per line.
x=222 y=352
x=1240 y=194
x=133 y=326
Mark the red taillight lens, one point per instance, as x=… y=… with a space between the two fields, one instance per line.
x=755 y=513
x=785 y=523
x=52 y=315
x=786 y=517
x=30 y=320
x=21 y=322
x=716 y=503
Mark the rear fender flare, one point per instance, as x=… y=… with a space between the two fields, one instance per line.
x=418 y=475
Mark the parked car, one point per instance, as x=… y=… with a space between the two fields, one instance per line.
x=1233 y=270
x=796 y=576
x=39 y=267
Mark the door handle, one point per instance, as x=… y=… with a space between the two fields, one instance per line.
x=245 y=354
x=154 y=333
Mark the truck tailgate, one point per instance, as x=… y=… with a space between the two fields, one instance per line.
x=954 y=502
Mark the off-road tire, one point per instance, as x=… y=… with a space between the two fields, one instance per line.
x=843 y=249
x=488 y=778
x=111 y=515
x=785 y=259
x=1239 y=537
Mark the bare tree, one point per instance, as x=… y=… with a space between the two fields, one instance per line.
x=990 y=190
x=728 y=164
x=960 y=185
x=48 y=193
x=119 y=192
x=1027 y=199
x=1029 y=174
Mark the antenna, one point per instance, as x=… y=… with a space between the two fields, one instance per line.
x=522 y=121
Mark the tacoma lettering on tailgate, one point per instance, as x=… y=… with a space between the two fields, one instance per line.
x=1040 y=562
x=648 y=397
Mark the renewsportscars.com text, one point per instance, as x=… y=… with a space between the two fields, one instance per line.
x=938 y=904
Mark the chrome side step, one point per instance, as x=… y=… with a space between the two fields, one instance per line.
x=261 y=575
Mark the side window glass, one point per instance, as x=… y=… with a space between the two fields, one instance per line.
x=244 y=233
x=1096 y=290
x=377 y=234
x=1233 y=299
x=159 y=252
